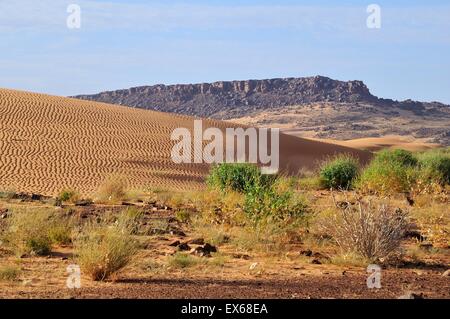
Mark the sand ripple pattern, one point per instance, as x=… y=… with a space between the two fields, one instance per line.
x=48 y=143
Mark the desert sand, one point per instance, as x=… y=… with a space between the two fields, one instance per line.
x=48 y=143
x=387 y=142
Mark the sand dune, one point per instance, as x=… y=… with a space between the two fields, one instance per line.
x=387 y=142
x=48 y=143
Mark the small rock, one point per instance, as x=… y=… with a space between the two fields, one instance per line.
x=316 y=262
x=36 y=197
x=307 y=252
x=412 y=295
x=176 y=232
x=446 y=273
x=241 y=256
x=210 y=248
x=64 y=258
x=200 y=251
x=320 y=256
x=84 y=202
x=176 y=243
x=184 y=247
x=196 y=241
x=127 y=204
x=426 y=245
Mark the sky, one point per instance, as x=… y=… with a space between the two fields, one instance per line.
x=126 y=43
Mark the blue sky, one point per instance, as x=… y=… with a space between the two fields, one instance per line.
x=131 y=43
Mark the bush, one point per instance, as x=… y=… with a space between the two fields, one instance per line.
x=370 y=231
x=389 y=172
x=435 y=167
x=9 y=273
x=237 y=177
x=266 y=196
x=401 y=157
x=69 y=195
x=339 y=172
x=33 y=233
x=28 y=233
x=102 y=251
x=60 y=232
x=112 y=189
x=274 y=203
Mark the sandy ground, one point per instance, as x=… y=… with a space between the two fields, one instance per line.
x=386 y=142
x=233 y=273
x=48 y=143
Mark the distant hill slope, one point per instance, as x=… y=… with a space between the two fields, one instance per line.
x=48 y=143
x=239 y=99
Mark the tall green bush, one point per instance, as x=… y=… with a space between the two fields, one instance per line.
x=339 y=172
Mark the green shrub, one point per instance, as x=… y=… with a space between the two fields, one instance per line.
x=237 y=177
x=391 y=171
x=401 y=157
x=60 y=231
x=339 y=172
x=274 y=203
x=266 y=196
x=435 y=167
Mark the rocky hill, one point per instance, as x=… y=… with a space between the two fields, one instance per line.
x=238 y=99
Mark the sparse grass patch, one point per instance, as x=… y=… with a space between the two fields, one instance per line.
x=434 y=222
x=28 y=233
x=104 y=250
x=339 y=172
x=183 y=216
x=182 y=260
x=69 y=195
x=7 y=194
x=310 y=183
x=9 y=273
x=60 y=231
x=350 y=259
x=114 y=188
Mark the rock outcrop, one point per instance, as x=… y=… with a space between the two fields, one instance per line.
x=229 y=99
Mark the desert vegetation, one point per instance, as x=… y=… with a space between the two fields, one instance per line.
x=343 y=215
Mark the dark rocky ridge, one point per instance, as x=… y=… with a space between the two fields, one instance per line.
x=355 y=107
x=230 y=99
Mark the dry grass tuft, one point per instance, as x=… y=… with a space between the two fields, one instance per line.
x=371 y=231
x=103 y=250
x=34 y=232
x=9 y=273
x=114 y=188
